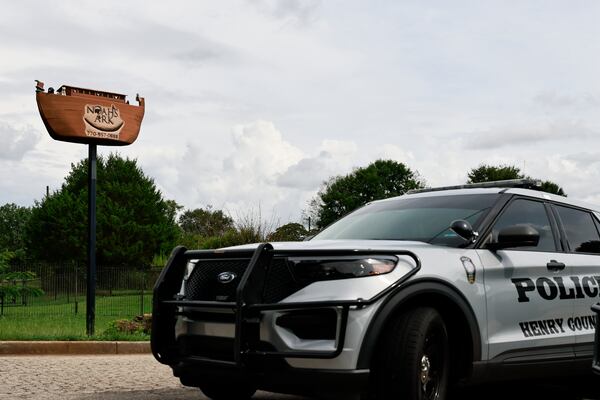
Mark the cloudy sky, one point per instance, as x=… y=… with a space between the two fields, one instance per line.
x=253 y=103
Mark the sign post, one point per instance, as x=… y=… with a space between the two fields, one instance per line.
x=91 y=117
x=90 y=315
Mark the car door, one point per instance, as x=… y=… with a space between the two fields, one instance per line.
x=526 y=309
x=579 y=228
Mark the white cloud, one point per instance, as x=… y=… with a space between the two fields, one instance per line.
x=584 y=159
x=300 y=12
x=554 y=100
x=16 y=142
x=333 y=157
x=395 y=152
x=307 y=173
x=534 y=134
x=259 y=152
x=237 y=177
x=442 y=88
x=259 y=169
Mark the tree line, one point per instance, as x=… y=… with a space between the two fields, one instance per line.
x=387 y=178
x=137 y=226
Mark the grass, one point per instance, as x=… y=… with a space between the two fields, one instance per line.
x=56 y=319
x=54 y=327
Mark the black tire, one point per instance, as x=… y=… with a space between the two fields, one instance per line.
x=413 y=359
x=227 y=390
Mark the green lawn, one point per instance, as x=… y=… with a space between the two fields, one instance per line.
x=49 y=319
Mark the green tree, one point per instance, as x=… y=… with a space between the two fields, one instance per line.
x=342 y=194
x=134 y=222
x=551 y=187
x=205 y=222
x=201 y=227
x=291 y=232
x=15 y=284
x=13 y=221
x=490 y=173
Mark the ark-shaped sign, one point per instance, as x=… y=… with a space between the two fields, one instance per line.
x=73 y=114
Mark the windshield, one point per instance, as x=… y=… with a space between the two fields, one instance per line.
x=424 y=219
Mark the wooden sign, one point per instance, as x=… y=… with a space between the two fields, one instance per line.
x=78 y=115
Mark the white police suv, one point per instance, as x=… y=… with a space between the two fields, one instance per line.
x=400 y=299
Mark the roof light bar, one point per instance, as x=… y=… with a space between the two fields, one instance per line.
x=535 y=184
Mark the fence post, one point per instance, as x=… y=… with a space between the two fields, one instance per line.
x=68 y=282
x=110 y=273
x=76 y=286
x=142 y=294
x=23 y=295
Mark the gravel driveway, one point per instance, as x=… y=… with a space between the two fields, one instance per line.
x=114 y=377
x=140 y=377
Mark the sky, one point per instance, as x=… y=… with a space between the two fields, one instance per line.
x=252 y=104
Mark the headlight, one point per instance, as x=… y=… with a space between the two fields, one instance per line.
x=329 y=268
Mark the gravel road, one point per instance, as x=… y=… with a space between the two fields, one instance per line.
x=140 y=377
x=114 y=377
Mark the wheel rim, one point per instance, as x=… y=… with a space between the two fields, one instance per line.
x=431 y=366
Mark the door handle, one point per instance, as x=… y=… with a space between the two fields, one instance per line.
x=554 y=265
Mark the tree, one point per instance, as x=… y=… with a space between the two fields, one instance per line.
x=342 y=194
x=490 y=173
x=134 y=222
x=14 y=284
x=551 y=187
x=291 y=232
x=205 y=222
x=13 y=220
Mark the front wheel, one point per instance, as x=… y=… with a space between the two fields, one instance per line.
x=412 y=362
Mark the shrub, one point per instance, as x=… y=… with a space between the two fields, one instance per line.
x=141 y=324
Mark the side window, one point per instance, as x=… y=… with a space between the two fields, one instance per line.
x=528 y=212
x=580 y=229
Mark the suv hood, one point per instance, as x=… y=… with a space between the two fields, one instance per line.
x=387 y=245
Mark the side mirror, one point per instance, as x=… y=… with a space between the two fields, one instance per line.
x=516 y=236
x=463 y=229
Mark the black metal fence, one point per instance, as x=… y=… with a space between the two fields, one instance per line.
x=120 y=291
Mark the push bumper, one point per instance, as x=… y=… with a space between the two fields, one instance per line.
x=247 y=357
x=280 y=379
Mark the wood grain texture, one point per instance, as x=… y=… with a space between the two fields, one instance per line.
x=64 y=119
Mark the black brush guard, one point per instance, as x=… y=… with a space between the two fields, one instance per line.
x=596 y=362
x=248 y=305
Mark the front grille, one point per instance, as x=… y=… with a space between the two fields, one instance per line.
x=279 y=282
x=203 y=284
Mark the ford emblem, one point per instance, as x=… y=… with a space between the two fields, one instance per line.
x=226 y=277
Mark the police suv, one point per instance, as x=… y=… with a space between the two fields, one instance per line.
x=401 y=299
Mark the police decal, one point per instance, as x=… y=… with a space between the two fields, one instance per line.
x=557 y=325
x=556 y=287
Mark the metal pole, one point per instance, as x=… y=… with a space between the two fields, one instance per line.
x=142 y=295
x=91 y=267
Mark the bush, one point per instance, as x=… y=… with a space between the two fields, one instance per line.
x=249 y=228
x=141 y=324
x=291 y=232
